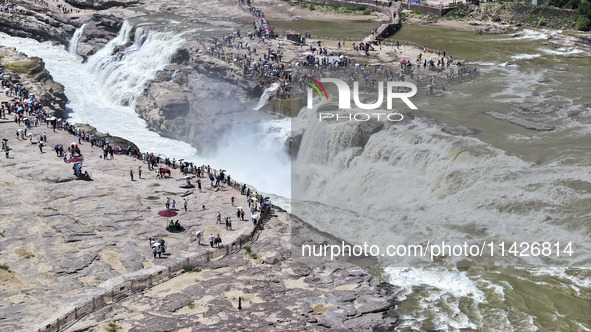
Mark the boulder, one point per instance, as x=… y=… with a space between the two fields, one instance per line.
x=528 y=124
x=458 y=131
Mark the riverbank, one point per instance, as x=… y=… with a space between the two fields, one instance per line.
x=65 y=240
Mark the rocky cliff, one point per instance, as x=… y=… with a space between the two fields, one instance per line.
x=198 y=98
x=31 y=73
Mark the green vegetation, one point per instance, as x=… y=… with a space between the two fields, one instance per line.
x=461 y=11
x=191 y=304
x=570 y=4
x=5 y=268
x=250 y=253
x=112 y=327
x=583 y=8
x=356 y=10
x=584 y=18
x=190 y=268
x=23 y=67
x=541 y=21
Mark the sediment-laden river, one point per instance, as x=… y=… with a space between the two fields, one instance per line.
x=412 y=182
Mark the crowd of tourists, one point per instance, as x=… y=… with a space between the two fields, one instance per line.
x=28 y=112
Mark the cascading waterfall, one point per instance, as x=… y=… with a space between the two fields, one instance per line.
x=411 y=183
x=408 y=178
x=123 y=71
x=266 y=95
x=431 y=179
x=93 y=98
x=73 y=45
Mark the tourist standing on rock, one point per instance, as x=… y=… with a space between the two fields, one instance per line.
x=41 y=146
x=131 y=174
x=199 y=235
x=199 y=185
x=232 y=199
x=139 y=172
x=218 y=218
x=174 y=204
x=185 y=203
x=211 y=238
x=159 y=250
x=168 y=203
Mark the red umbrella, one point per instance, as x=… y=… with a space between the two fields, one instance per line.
x=167 y=213
x=404 y=62
x=75 y=160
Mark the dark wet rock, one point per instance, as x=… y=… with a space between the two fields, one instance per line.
x=364 y=131
x=573 y=113
x=181 y=57
x=530 y=108
x=42 y=26
x=545 y=80
x=560 y=40
x=458 y=131
x=101 y=4
x=528 y=124
x=294 y=142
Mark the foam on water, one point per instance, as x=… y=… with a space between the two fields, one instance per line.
x=530 y=34
x=455 y=283
x=562 y=51
x=520 y=57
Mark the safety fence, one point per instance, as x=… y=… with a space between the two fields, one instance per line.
x=143 y=282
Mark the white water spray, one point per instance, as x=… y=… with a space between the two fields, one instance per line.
x=73 y=45
x=125 y=72
x=266 y=95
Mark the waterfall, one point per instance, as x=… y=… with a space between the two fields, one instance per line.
x=125 y=66
x=73 y=45
x=266 y=95
x=412 y=177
